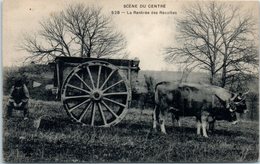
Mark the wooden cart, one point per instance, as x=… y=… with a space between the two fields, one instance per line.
x=95 y=92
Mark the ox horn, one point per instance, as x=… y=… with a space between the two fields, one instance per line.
x=246 y=92
x=231 y=110
x=233 y=97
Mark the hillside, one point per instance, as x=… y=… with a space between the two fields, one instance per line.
x=194 y=77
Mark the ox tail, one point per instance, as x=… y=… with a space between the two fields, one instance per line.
x=156 y=93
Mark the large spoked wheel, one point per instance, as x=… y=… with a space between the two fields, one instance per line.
x=96 y=93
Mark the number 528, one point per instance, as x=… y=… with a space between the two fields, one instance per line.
x=115 y=12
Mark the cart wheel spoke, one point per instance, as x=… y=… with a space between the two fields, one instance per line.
x=84 y=112
x=109 y=109
x=96 y=93
x=115 y=93
x=113 y=85
x=78 y=105
x=76 y=97
x=83 y=81
x=111 y=73
x=91 y=78
x=93 y=114
x=74 y=87
x=115 y=102
x=98 y=77
x=102 y=114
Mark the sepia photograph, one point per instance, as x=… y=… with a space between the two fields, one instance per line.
x=142 y=81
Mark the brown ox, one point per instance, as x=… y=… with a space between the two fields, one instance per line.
x=205 y=102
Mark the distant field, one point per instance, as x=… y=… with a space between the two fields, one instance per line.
x=132 y=140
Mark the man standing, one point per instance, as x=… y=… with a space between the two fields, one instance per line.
x=18 y=99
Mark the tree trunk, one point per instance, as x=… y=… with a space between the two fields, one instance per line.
x=223 y=78
x=212 y=77
x=88 y=54
x=89 y=50
x=82 y=48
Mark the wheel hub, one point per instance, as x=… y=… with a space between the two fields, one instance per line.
x=96 y=95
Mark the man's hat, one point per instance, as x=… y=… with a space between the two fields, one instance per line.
x=18 y=83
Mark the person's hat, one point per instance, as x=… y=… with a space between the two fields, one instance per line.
x=18 y=83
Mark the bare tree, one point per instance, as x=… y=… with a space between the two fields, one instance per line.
x=185 y=74
x=218 y=38
x=77 y=31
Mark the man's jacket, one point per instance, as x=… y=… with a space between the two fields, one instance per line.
x=19 y=95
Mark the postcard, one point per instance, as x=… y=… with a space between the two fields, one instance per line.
x=130 y=81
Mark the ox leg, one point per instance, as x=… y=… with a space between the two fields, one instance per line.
x=204 y=128
x=173 y=118
x=155 y=117
x=178 y=120
x=204 y=123
x=211 y=126
x=234 y=118
x=162 y=121
x=198 y=126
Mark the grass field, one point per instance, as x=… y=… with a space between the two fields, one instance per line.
x=132 y=140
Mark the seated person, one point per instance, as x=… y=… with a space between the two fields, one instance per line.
x=19 y=97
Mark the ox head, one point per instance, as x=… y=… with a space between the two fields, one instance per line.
x=237 y=103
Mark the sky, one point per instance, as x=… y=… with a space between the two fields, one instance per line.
x=146 y=35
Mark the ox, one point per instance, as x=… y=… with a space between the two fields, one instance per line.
x=206 y=102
